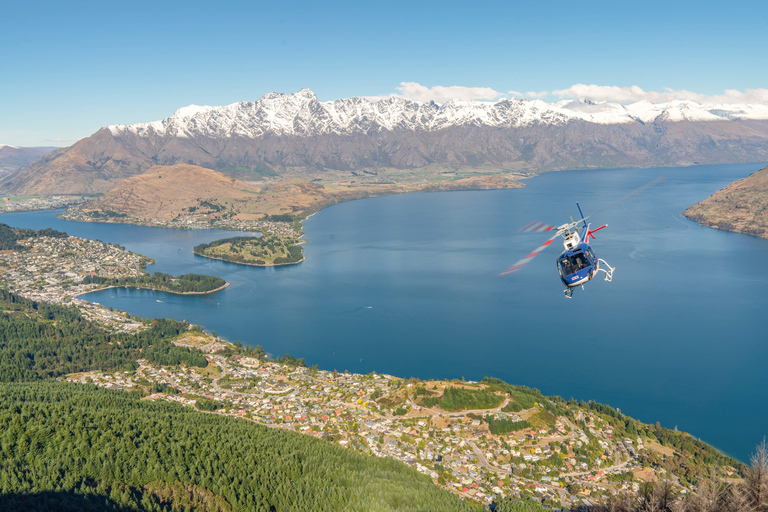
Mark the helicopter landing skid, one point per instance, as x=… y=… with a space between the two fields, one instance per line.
x=609 y=272
x=608 y=276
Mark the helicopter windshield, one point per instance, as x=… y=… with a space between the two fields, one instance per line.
x=572 y=264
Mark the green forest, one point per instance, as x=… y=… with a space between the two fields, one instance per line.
x=187 y=283
x=40 y=340
x=462 y=399
x=9 y=236
x=499 y=426
x=115 y=451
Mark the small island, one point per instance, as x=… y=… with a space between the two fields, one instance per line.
x=263 y=251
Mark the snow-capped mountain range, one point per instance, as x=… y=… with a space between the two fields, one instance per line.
x=366 y=140
x=302 y=114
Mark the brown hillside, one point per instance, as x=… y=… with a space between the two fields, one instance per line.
x=182 y=192
x=742 y=206
x=167 y=192
x=98 y=162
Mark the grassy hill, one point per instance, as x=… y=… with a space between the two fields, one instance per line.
x=168 y=192
x=178 y=193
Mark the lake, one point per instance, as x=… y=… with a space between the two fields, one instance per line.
x=406 y=285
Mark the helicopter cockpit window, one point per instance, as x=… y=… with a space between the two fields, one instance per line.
x=572 y=264
x=579 y=262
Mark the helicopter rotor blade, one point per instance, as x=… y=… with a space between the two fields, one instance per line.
x=653 y=183
x=523 y=262
x=536 y=227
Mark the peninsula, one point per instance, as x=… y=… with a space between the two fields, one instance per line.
x=263 y=251
x=47 y=265
x=742 y=206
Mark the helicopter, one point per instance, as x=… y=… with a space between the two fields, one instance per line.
x=577 y=264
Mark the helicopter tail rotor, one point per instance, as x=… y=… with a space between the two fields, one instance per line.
x=591 y=231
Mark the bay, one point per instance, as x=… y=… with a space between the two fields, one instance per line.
x=407 y=285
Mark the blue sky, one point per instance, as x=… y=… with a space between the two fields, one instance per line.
x=71 y=67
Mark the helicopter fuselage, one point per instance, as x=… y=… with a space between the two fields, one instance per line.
x=577 y=264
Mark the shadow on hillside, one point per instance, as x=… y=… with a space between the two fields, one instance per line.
x=59 y=501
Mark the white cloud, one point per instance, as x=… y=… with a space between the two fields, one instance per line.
x=635 y=93
x=730 y=96
x=624 y=94
x=442 y=94
x=534 y=94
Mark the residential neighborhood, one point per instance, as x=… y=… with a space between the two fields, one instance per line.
x=27 y=203
x=190 y=221
x=52 y=269
x=455 y=449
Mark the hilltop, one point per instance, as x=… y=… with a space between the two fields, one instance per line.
x=402 y=141
x=168 y=192
x=742 y=206
x=190 y=196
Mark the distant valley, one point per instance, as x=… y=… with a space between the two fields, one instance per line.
x=13 y=158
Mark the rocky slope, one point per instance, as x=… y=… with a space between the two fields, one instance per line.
x=297 y=135
x=742 y=206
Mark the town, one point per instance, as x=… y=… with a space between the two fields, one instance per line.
x=455 y=449
x=52 y=270
x=191 y=221
x=523 y=446
x=28 y=203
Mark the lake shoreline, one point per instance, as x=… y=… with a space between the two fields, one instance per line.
x=249 y=264
x=425 y=265
x=152 y=289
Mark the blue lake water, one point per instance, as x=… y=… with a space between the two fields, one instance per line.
x=407 y=285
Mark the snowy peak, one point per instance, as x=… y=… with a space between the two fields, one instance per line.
x=302 y=114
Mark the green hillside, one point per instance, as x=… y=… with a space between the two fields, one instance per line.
x=86 y=445
x=76 y=447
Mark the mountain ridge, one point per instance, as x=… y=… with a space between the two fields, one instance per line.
x=304 y=115
x=15 y=157
x=296 y=135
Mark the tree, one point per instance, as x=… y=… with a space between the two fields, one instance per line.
x=711 y=494
x=753 y=493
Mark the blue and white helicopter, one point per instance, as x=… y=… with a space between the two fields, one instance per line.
x=577 y=264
